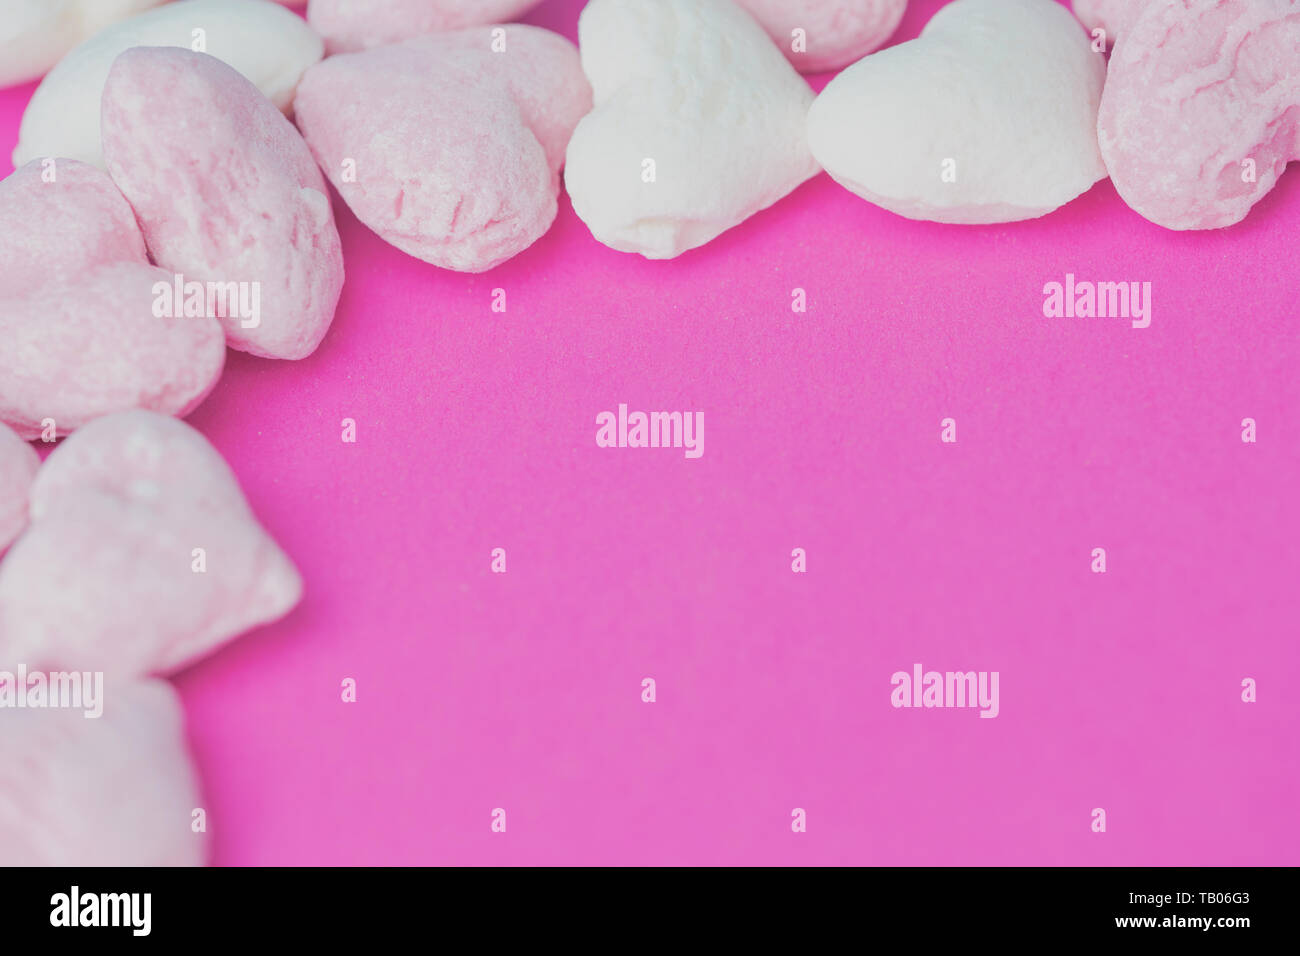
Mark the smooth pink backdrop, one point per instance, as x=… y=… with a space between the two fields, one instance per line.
x=522 y=691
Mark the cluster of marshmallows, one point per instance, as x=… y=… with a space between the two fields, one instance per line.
x=165 y=207
x=140 y=555
x=1001 y=110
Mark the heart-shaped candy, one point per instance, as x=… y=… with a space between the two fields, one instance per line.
x=818 y=35
x=81 y=333
x=350 y=25
x=18 y=464
x=263 y=41
x=699 y=123
x=142 y=554
x=988 y=116
x=1202 y=108
x=116 y=789
x=236 y=200
x=449 y=146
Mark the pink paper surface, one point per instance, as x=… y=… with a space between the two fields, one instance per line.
x=522 y=690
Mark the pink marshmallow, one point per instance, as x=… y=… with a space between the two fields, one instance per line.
x=112 y=790
x=142 y=554
x=18 y=464
x=235 y=198
x=350 y=25
x=448 y=150
x=835 y=33
x=1201 y=111
x=77 y=294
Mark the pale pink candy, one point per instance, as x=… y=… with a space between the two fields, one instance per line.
x=1109 y=15
x=78 y=333
x=105 y=577
x=60 y=219
x=236 y=198
x=837 y=32
x=446 y=149
x=349 y=25
x=18 y=464
x=113 y=790
x=1201 y=112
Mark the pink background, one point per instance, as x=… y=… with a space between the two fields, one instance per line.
x=522 y=691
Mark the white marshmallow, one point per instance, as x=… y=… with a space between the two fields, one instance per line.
x=35 y=34
x=989 y=116
x=263 y=41
x=696 y=88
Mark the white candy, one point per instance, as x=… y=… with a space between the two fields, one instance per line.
x=989 y=116
x=265 y=42
x=34 y=34
x=699 y=123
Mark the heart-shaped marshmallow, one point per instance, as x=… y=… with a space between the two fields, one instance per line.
x=78 y=321
x=18 y=464
x=116 y=789
x=142 y=554
x=818 y=35
x=988 y=116
x=350 y=25
x=267 y=43
x=699 y=123
x=1202 y=108
x=35 y=34
x=449 y=146
x=236 y=200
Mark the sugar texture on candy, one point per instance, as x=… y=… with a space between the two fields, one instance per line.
x=449 y=146
x=237 y=199
x=1199 y=117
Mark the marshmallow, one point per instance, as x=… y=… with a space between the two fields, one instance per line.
x=142 y=554
x=350 y=25
x=448 y=150
x=699 y=124
x=235 y=200
x=35 y=34
x=267 y=43
x=1202 y=108
x=818 y=35
x=77 y=308
x=116 y=789
x=18 y=464
x=989 y=116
